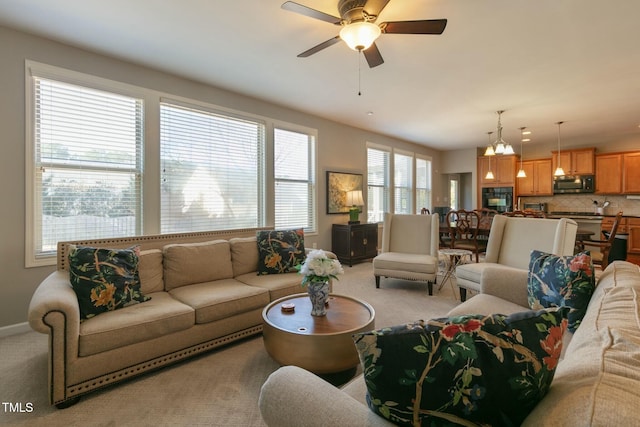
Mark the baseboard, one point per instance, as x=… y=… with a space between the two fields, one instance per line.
x=18 y=328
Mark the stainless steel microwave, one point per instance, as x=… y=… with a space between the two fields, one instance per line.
x=569 y=184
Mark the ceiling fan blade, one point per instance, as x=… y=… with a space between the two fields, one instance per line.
x=319 y=47
x=373 y=56
x=374 y=7
x=429 y=26
x=312 y=13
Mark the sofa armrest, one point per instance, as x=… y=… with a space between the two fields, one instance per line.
x=54 y=295
x=291 y=397
x=507 y=283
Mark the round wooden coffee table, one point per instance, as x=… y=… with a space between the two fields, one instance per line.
x=322 y=345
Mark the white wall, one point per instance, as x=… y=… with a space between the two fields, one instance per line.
x=340 y=147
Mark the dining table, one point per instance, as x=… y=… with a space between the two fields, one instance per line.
x=581 y=236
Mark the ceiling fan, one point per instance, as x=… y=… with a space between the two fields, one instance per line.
x=359 y=31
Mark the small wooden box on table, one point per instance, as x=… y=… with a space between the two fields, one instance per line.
x=354 y=242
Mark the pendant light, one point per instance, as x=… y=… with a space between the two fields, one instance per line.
x=559 y=171
x=489 y=174
x=521 y=172
x=501 y=146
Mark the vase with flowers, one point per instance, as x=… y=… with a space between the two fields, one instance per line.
x=318 y=269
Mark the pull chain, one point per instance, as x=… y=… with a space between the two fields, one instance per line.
x=359 y=71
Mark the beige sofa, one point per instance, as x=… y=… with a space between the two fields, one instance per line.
x=596 y=383
x=205 y=292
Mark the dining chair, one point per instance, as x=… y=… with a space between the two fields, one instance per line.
x=602 y=258
x=463 y=230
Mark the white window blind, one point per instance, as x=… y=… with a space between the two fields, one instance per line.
x=377 y=184
x=403 y=179
x=294 y=175
x=423 y=184
x=212 y=170
x=87 y=147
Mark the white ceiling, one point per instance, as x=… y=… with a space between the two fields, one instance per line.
x=542 y=61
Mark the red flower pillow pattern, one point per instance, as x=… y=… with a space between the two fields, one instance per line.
x=471 y=370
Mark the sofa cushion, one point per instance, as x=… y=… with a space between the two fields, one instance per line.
x=244 y=255
x=150 y=271
x=416 y=263
x=157 y=317
x=473 y=368
x=189 y=263
x=221 y=299
x=104 y=279
x=279 y=251
x=278 y=285
x=556 y=281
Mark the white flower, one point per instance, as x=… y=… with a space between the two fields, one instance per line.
x=319 y=268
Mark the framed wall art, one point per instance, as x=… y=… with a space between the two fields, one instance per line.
x=338 y=184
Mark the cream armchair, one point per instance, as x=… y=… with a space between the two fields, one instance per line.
x=409 y=249
x=511 y=241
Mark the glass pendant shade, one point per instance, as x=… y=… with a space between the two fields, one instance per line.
x=489 y=151
x=521 y=172
x=499 y=148
x=360 y=35
x=508 y=149
x=489 y=174
x=559 y=171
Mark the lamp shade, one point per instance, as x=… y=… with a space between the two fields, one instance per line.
x=360 y=35
x=354 y=198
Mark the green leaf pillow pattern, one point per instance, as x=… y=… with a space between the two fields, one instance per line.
x=471 y=370
x=104 y=279
x=557 y=281
x=279 y=251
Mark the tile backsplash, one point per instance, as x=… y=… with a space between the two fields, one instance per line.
x=584 y=203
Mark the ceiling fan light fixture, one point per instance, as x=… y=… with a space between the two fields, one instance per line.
x=360 y=35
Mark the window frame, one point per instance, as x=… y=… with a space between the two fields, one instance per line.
x=312 y=174
x=386 y=187
x=33 y=204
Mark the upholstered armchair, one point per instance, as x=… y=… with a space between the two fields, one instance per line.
x=511 y=241
x=409 y=248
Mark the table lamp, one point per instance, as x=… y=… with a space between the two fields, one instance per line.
x=354 y=198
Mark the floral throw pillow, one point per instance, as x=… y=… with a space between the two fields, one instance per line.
x=470 y=370
x=104 y=279
x=279 y=251
x=556 y=281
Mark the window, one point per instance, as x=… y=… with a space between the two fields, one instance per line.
x=85 y=177
x=423 y=184
x=294 y=175
x=212 y=166
x=377 y=183
x=403 y=183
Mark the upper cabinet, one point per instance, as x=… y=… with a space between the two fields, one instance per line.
x=538 y=181
x=609 y=173
x=502 y=167
x=576 y=162
x=631 y=173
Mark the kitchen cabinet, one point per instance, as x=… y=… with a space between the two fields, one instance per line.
x=539 y=180
x=354 y=242
x=633 y=243
x=576 y=162
x=631 y=173
x=609 y=169
x=503 y=168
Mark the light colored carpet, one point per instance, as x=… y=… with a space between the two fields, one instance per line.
x=220 y=388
